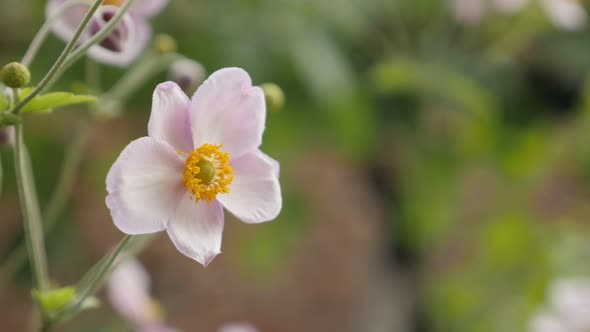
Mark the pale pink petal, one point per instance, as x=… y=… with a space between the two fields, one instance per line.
x=570 y=298
x=255 y=193
x=275 y=164
x=565 y=14
x=509 y=6
x=197 y=228
x=227 y=110
x=66 y=24
x=125 y=44
x=469 y=12
x=169 y=120
x=237 y=327
x=128 y=291
x=145 y=186
x=148 y=8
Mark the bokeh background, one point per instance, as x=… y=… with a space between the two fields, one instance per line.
x=435 y=167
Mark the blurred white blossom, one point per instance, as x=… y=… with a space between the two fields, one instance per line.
x=469 y=11
x=564 y=14
x=568 y=308
x=238 y=327
x=128 y=291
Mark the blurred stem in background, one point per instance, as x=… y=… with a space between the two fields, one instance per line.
x=34 y=236
x=44 y=32
x=95 y=278
x=149 y=66
x=90 y=283
x=95 y=39
x=31 y=213
x=54 y=72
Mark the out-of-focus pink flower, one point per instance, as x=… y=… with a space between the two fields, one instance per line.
x=237 y=327
x=565 y=14
x=188 y=74
x=201 y=155
x=509 y=6
x=128 y=290
x=469 y=12
x=568 y=309
x=125 y=43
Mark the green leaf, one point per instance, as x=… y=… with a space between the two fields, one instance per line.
x=47 y=102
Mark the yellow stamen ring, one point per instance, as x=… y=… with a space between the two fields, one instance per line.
x=207 y=172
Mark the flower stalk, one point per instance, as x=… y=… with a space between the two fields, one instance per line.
x=51 y=74
x=95 y=39
x=43 y=32
x=30 y=210
x=96 y=276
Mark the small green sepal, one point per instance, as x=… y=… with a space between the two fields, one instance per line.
x=53 y=300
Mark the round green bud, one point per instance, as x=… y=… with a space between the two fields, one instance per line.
x=15 y=75
x=165 y=44
x=275 y=98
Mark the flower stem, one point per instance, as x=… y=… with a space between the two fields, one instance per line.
x=151 y=65
x=44 y=32
x=90 y=283
x=59 y=197
x=68 y=174
x=30 y=211
x=95 y=39
x=147 y=67
x=62 y=57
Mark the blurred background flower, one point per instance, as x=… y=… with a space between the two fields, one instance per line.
x=128 y=290
x=568 y=307
x=124 y=44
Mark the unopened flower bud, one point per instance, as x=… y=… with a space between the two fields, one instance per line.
x=15 y=75
x=165 y=44
x=6 y=136
x=188 y=74
x=275 y=98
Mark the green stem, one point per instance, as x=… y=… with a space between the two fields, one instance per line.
x=149 y=66
x=92 y=75
x=62 y=57
x=95 y=39
x=58 y=200
x=30 y=211
x=68 y=174
x=44 y=32
x=91 y=282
